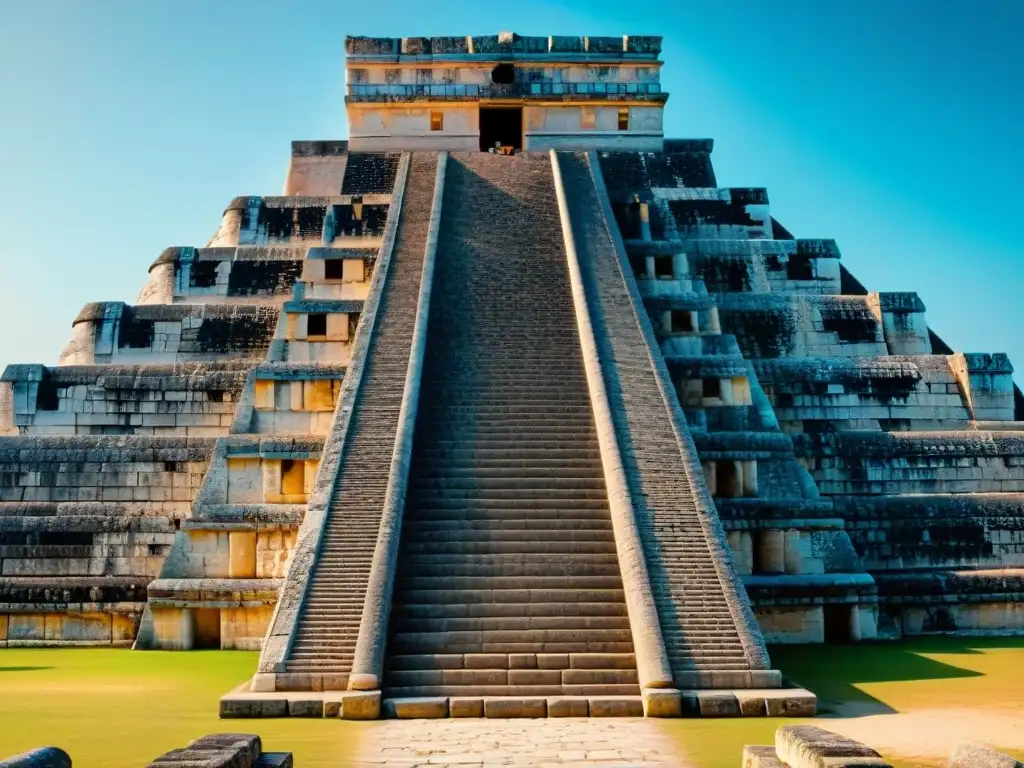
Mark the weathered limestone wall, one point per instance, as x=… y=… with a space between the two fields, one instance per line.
x=196 y=400
x=945 y=530
x=426 y=93
x=85 y=524
x=855 y=463
x=783 y=325
x=759 y=266
x=294 y=399
x=592 y=127
x=316 y=168
x=685 y=213
x=116 y=333
x=151 y=470
x=226 y=274
x=892 y=393
x=939 y=601
x=695 y=251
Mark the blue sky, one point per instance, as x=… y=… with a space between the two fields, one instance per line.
x=893 y=126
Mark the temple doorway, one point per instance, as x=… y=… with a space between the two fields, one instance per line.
x=501 y=125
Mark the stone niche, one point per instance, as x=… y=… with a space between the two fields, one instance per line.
x=287 y=403
x=320 y=331
x=730 y=479
x=253 y=479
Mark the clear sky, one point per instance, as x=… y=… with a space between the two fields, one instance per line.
x=894 y=126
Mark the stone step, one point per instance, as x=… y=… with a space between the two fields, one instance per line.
x=482 y=610
x=469 y=546
x=516 y=583
x=508 y=566
x=540 y=527
x=512 y=444
x=510 y=677
x=512 y=690
x=625 y=661
x=436 y=640
x=554 y=595
x=329 y=620
x=525 y=624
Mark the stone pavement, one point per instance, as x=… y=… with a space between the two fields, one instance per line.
x=482 y=743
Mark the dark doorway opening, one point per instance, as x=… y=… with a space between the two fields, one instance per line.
x=502 y=126
x=503 y=74
x=838 y=620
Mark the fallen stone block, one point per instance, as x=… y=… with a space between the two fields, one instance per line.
x=44 y=757
x=662 y=702
x=760 y=757
x=807 y=746
x=248 y=745
x=969 y=754
x=218 y=750
x=792 y=702
x=510 y=707
x=568 y=706
x=275 y=760
x=413 y=708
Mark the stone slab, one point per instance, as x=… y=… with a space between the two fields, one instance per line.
x=616 y=706
x=568 y=706
x=305 y=708
x=361 y=706
x=807 y=746
x=44 y=757
x=420 y=707
x=662 y=702
x=515 y=707
x=465 y=707
x=968 y=754
x=760 y=757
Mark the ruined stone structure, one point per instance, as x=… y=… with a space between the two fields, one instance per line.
x=532 y=430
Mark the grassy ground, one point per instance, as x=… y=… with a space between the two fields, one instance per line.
x=923 y=675
x=120 y=708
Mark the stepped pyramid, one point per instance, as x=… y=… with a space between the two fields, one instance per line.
x=506 y=408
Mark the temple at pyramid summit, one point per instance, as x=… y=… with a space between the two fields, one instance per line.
x=507 y=408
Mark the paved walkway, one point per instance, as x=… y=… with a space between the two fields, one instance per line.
x=544 y=743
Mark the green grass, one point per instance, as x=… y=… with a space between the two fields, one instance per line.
x=940 y=673
x=119 y=708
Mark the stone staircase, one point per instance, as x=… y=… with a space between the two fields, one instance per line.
x=702 y=636
x=508 y=580
x=328 y=626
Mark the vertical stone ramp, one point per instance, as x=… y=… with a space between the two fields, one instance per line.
x=709 y=631
x=508 y=581
x=322 y=646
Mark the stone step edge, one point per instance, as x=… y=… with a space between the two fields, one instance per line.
x=654 y=702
